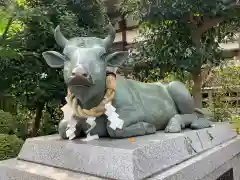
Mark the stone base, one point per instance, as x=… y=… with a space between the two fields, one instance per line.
x=210 y=165
x=192 y=155
x=21 y=170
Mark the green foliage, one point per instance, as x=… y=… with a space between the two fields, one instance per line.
x=48 y=125
x=227 y=81
x=20 y=124
x=32 y=80
x=181 y=36
x=235 y=121
x=15 y=124
x=22 y=121
x=10 y=146
x=173 y=9
x=91 y=16
x=50 y=120
x=8 y=104
x=27 y=31
x=170 y=49
x=228 y=77
x=6 y=123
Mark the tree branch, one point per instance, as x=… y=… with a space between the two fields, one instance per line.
x=4 y=35
x=191 y=19
x=209 y=23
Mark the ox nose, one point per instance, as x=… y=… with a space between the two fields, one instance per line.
x=79 y=71
x=80 y=77
x=79 y=74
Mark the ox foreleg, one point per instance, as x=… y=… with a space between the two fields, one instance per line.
x=137 y=129
x=175 y=125
x=63 y=127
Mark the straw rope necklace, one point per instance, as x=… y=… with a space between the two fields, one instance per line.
x=100 y=109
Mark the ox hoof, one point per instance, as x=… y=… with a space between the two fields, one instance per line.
x=150 y=129
x=173 y=126
x=201 y=123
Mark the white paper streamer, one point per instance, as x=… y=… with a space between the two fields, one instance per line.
x=68 y=115
x=113 y=117
x=70 y=133
x=91 y=122
x=67 y=112
x=90 y=138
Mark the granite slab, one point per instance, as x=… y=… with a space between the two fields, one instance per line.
x=204 y=166
x=122 y=159
x=14 y=169
x=208 y=165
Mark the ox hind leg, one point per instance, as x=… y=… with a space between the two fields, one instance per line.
x=181 y=96
x=133 y=124
x=187 y=114
x=180 y=121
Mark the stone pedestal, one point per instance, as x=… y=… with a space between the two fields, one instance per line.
x=192 y=155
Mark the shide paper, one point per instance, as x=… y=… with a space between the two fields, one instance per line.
x=111 y=114
x=113 y=117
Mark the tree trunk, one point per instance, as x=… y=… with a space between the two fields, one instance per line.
x=4 y=35
x=197 y=75
x=197 y=90
x=37 y=120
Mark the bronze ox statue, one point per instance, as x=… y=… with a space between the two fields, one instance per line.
x=144 y=107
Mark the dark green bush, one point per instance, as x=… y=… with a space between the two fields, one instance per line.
x=6 y=123
x=21 y=124
x=10 y=145
x=50 y=120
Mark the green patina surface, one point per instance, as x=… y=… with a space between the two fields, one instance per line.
x=144 y=107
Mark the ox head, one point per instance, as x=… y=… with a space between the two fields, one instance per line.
x=84 y=61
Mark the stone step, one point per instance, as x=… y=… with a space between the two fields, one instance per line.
x=14 y=169
x=123 y=159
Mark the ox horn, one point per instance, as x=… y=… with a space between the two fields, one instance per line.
x=111 y=36
x=60 y=39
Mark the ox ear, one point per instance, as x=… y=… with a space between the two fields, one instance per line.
x=54 y=59
x=116 y=59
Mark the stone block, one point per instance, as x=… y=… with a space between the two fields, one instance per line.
x=13 y=169
x=208 y=165
x=120 y=158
